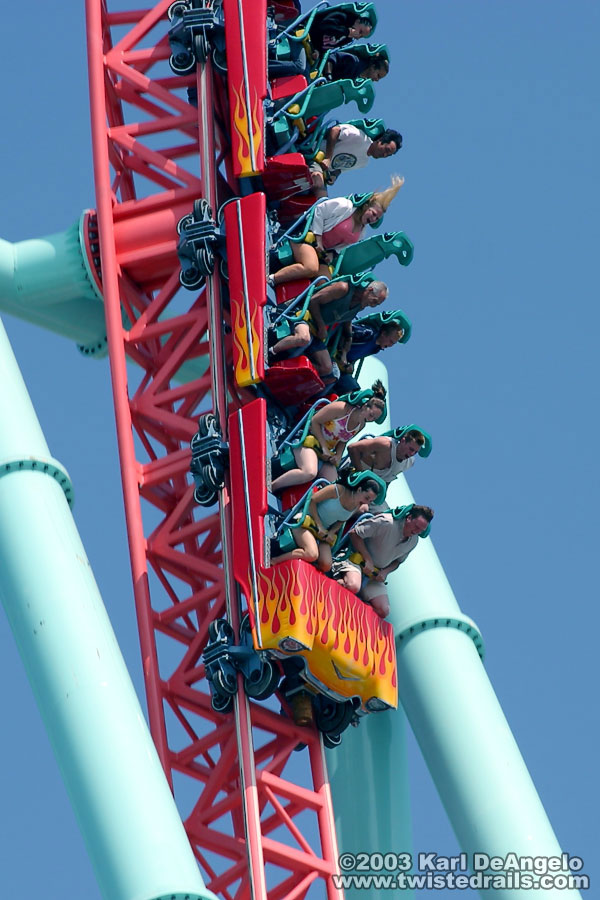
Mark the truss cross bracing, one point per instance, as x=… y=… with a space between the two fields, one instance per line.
x=155 y=154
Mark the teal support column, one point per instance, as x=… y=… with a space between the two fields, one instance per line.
x=121 y=798
x=47 y=281
x=465 y=739
x=369 y=785
x=369 y=771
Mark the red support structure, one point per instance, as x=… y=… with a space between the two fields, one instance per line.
x=154 y=154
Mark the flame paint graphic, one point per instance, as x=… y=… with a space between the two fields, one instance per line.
x=348 y=648
x=241 y=351
x=241 y=126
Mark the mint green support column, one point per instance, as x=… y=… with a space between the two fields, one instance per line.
x=47 y=281
x=369 y=771
x=369 y=786
x=473 y=758
x=125 y=809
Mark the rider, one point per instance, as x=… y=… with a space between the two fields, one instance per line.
x=335 y=302
x=347 y=147
x=387 y=456
x=346 y=64
x=336 y=223
x=335 y=28
x=381 y=544
x=331 y=428
x=363 y=340
x=329 y=508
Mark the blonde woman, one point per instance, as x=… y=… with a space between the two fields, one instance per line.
x=334 y=224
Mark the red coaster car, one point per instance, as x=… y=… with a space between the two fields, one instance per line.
x=343 y=650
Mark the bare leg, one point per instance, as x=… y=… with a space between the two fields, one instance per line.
x=351 y=580
x=308 y=464
x=299 y=338
x=322 y=361
x=306 y=265
x=307 y=548
x=328 y=471
x=318 y=185
x=381 y=605
x=324 y=563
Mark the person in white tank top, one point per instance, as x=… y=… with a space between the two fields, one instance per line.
x=387 y=456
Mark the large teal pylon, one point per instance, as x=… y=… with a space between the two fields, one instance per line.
x=47 y=281
x=118 y=790
x=444 y=690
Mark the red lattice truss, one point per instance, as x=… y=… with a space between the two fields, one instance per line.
x=242 y=809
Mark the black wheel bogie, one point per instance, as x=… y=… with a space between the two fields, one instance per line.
x=223 y=683
x=191 y=279
x=182 y=63
x=221 y=703
x=205 y=496
x=265 y=684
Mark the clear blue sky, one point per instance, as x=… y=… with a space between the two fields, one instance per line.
x=498 y=104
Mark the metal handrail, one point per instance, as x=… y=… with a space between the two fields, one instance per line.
x=287 y=521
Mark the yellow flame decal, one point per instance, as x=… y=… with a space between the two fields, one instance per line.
x=241 y=126
x=241 y=355
x=345 y=637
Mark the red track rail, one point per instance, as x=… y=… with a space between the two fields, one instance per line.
x=241 y=805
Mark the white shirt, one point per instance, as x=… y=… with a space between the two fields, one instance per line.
x=330 y=213
x=350 y=151
x=389 y=473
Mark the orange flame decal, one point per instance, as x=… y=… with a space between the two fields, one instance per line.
x=241 y=125
x=348 y=647
x=241 y=350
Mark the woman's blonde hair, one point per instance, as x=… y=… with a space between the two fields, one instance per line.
x=384 y=198
x=381 y=198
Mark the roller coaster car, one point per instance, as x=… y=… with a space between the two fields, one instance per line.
x=246 y=241
x=287 y=119
x=367 y=53
x=332 y=642
x=247 y=86
x=290 y=381
x=246 y=46
x=285 y=176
